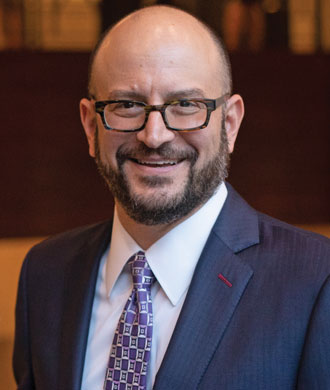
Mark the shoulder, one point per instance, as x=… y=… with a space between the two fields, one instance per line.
x=266 y=228
x=267 y=243
x=242 y=228
x=59 y=249
x=290 y=237
x=77 y=236
x=290 y=257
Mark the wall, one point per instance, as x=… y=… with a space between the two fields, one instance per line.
x=49 y=183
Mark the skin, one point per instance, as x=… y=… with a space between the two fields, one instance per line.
x=155 y=55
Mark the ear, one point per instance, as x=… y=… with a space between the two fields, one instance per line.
x=88 y=120
x=234 y=115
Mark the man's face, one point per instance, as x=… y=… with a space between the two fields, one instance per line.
x=158 y=175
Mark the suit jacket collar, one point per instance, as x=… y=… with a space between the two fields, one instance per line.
x=212 y=299
x=237 y=225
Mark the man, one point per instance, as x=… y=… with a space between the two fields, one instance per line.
x=239 y=300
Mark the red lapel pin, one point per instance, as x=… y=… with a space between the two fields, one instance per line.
x=220 y=276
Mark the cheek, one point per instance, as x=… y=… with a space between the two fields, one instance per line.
x=111 y=141
x=212 y=137
x=206 y=142
x=108 y=145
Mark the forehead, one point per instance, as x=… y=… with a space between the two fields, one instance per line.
x=154 y=53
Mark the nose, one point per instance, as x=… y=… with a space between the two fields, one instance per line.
x=155 y=133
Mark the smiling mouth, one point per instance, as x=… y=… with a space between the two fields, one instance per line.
x=156 y=164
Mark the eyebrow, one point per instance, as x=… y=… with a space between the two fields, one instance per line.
x=173 y=95
x=185 y=93
x=123 y=94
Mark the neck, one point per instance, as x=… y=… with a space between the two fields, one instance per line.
x=146 y=235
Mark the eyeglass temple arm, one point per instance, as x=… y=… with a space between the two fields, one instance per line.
x=221 y=100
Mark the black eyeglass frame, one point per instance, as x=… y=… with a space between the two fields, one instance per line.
x=211 y=105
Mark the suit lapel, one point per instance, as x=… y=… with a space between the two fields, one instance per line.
x=78 y=297
x=212 y=299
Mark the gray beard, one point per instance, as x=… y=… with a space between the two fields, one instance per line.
x=200 y=186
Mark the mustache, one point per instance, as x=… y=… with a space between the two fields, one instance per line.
x=165 y=151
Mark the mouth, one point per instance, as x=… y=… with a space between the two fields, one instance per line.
x=163 y=160
x=156 y=163
x=159 y=166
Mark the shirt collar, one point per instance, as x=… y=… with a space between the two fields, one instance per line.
x=173 y=257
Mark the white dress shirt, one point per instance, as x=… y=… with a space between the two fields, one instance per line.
x=173 y=259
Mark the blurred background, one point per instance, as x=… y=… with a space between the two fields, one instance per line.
x=280 y=54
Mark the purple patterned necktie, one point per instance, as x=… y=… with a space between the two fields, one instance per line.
x=130 y=351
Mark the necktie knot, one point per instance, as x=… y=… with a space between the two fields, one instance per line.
x=142 y=274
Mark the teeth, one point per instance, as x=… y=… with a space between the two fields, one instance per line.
x=157 y=163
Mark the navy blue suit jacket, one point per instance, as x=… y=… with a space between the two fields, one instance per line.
x=263 y=324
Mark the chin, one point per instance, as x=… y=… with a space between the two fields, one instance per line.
x=154 y=197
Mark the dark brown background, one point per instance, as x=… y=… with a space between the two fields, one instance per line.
x=48 y=182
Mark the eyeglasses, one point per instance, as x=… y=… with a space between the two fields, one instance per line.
x=178 y=115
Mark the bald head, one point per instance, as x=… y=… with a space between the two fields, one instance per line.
x=140 y=34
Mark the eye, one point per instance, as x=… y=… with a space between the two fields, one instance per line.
x=185 y=107
x=127 y=104
x=187 y=103
x=125 y=108
x=123 y=105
